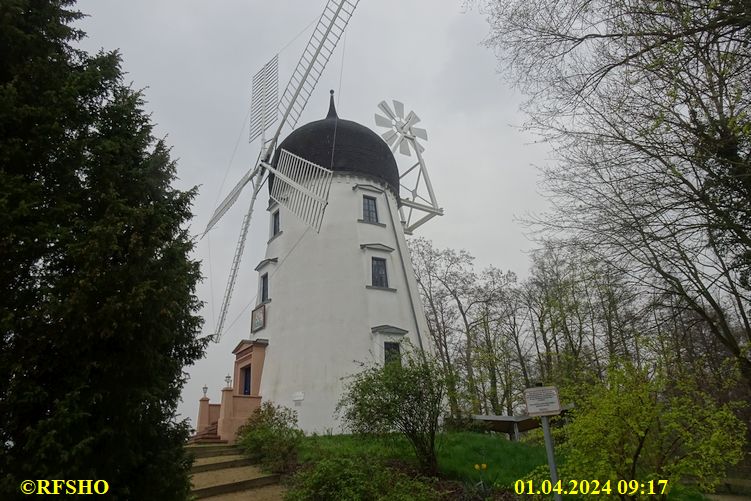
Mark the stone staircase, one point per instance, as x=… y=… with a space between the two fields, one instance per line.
x=207 y=436
x=220 y=472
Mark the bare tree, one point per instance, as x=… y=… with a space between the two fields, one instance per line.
x=440 y=312
x=647 y=104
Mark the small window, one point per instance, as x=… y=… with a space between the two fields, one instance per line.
x=379 y=273
x=246 y=380
x=369 y=210
x=391 y=353
x=275 y=223
x=264 y=287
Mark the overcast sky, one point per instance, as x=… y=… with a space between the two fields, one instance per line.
x=195 y=59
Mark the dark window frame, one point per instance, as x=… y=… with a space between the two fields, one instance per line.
x=392 y=353
x=246 y=376
x=275 y=223
x=369 y=214
x=378 y=279
x=264 y=287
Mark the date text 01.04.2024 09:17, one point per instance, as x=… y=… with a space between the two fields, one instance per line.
x=595 y=487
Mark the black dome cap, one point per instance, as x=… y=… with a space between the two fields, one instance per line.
x=356 y=148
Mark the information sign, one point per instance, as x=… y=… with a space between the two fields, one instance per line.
x=542 y=401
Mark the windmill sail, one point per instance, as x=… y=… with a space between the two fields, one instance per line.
x=230 y=199
x=302 y=187
x=323 y=41
x=264 y=96
x=313 y=60
x=307 y=201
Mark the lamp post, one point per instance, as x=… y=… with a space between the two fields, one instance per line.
x=205 y=389
x=228 y=379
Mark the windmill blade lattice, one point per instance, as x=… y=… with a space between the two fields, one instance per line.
x=321 y=45
x=302 y=187
x=264 y=98
x=230 y=199
x=401 y=128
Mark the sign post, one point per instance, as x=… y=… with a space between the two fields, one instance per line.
x=543 y=401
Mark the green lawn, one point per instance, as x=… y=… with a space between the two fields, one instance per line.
x=506 y=461
x=458 y=453
x=320 y=446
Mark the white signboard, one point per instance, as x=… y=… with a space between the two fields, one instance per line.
x=542 y=401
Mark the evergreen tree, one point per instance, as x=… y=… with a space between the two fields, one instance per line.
x=98 y=315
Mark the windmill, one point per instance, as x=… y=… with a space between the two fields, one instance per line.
x=305 y=181
x=336 y=292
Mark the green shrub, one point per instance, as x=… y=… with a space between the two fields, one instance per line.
x=356 y=479
x=271 y=436
x=643 y=427
x=406 y=398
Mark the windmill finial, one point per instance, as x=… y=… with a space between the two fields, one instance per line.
x=332 y=108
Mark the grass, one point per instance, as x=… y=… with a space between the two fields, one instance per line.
x=506 y=461
x=457 y=454
x=316 y=447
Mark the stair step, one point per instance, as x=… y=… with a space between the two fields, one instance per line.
x=213 y=483
x=213 y=478
x=272 y=492
x=208 y=440
x=232 y=463
x=202 y=451
x=240 y=486
x=210 y=432
x=217 y=459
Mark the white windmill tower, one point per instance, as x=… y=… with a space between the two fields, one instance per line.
x=336 y=286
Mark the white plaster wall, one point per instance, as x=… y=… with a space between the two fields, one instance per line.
x=320 y=314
